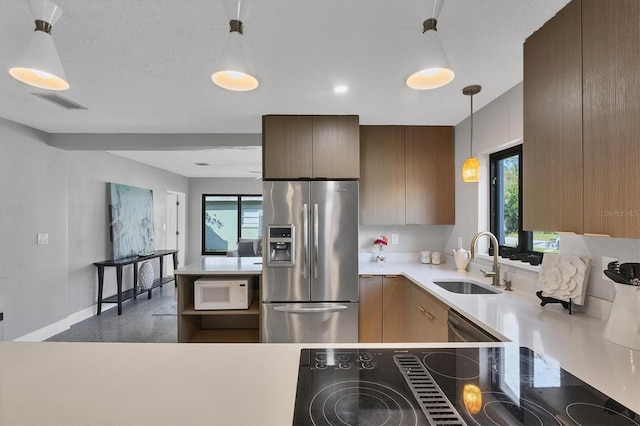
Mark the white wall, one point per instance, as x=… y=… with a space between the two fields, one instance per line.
x=63 y=193
x=199 y=186
x=34 y=197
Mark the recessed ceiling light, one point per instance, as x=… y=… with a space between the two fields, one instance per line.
x=340 y=89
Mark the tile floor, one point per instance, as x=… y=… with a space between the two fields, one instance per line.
x=143 y=320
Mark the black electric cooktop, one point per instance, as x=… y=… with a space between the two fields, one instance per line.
x=446 y=386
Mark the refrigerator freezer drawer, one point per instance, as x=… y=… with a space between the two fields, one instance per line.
x=310 y=322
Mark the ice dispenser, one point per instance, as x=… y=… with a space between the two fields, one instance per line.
x=281 y=244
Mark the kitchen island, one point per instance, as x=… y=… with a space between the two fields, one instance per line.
x=255 y=384
x=220 y=325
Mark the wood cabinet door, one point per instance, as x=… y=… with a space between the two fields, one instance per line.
x=336 y=147
x=427 y=317
x=552 y=148
x=370 y=309
x=430 y=182
x=395 y=299
x=611 y=58
x=382 y=175
x=287 y=146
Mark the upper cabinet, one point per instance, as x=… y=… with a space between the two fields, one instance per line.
x=552 y=149
x=382 y=175
x=582 y=121
x=310 y=147
x=407 y=175
x=611 y=114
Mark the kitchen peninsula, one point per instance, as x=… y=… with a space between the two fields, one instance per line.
x=216 y=384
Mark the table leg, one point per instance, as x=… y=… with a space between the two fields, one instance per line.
x=135 y=280
x=100 y=287
x=175 y=266
x=119 y=281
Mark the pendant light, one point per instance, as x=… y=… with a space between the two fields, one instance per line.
x=434 y=69
x=39 y=65
x=471 y=167
x=235 y=68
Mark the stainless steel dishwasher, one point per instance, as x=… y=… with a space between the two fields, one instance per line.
x=463 y=330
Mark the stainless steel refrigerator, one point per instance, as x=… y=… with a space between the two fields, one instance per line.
x=310 y=265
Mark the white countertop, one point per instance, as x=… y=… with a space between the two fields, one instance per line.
x=222 y=265
x=254 y=384
x=574 y=340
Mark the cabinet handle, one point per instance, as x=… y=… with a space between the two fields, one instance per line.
x=422 y=309
x=366 y=276
x=430 y=315
x=391 y=276
x=427 y=313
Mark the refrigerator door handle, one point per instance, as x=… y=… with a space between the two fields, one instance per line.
x=315 y=241
x=305 y=233
x=310 y=309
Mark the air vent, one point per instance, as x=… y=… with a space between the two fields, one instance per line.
x=202 y=164
x=59 y=100
x=434 y=403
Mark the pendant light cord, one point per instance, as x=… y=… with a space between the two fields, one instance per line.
x=471 y=133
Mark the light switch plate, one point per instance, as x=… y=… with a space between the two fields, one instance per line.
x=394 y=238
x=43 y=239
x=605 y=261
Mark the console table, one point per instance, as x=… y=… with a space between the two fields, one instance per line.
x=119 y=264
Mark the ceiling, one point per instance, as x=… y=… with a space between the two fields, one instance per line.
x=144 y=66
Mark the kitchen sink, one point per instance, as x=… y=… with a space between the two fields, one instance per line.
x=465 y=287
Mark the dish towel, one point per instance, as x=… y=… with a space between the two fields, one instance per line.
x=564 y=277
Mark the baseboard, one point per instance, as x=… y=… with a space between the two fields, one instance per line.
x=57 y=327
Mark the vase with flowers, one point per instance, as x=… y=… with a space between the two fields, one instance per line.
x=379 y=243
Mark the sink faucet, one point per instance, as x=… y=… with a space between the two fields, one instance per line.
x=495 y=274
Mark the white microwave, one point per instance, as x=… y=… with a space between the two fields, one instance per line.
x=214 y=294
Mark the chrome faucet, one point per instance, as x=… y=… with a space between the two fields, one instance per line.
x=495 y=274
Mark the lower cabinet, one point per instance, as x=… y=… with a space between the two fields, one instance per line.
x=393 y=309
x=427 y=317
x=370 y=309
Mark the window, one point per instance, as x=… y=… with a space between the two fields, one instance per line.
x=228 y=218
x=506 y=210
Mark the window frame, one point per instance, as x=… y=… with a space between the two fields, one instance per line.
x=525 y=238
x=238 y=197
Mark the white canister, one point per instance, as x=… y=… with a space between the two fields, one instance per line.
x=435 y=258
x=425 y=257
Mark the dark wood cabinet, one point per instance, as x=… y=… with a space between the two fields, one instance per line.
x=310 y=147
x=382 y=175
x=430 y=181
x=611 y=117
x=582 y=121
x=407 y=175
x=552 y=149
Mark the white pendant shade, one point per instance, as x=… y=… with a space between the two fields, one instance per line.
x=235 y=68
x=434 y=70
x=39 y=65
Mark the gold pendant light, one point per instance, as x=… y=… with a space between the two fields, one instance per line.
x=471 y=166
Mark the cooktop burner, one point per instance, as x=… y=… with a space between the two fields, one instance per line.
x=452 y=386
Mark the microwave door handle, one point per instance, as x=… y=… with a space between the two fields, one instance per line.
x=315 y=241
x=310 y=309
x=305 y=237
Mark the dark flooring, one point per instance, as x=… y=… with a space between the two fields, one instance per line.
x=143 y=320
